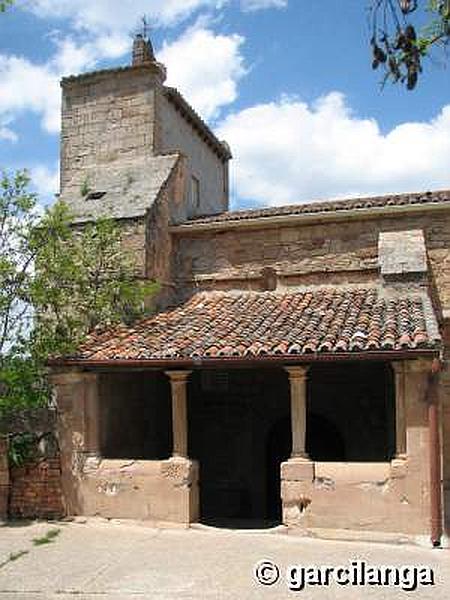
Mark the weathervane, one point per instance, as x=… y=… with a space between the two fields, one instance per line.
x=145 y=27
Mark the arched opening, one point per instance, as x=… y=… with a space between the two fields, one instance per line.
x=351 y=412
x=239 y=432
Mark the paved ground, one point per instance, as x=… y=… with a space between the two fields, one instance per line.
x=116 y=561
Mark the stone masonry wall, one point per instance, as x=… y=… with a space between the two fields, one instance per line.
x=133 y=233
x=309 y=253
x=176 y=134
x=159 y=255
x=105 y=118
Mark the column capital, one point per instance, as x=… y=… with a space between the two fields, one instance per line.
x=297 y=372
x=178 y=376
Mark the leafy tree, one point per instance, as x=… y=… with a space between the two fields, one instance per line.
x=396 y=43
x=57 y=283
x=4 y=4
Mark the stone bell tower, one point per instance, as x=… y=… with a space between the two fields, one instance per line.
x=117 y=122
x=109 y=115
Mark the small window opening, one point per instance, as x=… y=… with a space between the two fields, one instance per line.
x=95 y=195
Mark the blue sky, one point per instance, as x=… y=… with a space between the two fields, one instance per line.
x=287 y=82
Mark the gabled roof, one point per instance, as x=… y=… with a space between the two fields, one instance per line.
x=248 y=325
x=129 y=188
x=329 y=206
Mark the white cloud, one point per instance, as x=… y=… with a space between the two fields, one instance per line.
x=122 y=16
x=209 y=79
x=119 y=15
x=205 y=67
x=32 y=87
x=25 y=86
x=253 y=5
x=289 y=151
x=45 y=181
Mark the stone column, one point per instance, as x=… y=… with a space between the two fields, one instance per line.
x=178 y=384
x=400 y=409
x=297 y=380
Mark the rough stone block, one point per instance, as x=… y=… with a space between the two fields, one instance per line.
x=402 y=253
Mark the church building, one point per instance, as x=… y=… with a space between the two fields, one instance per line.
x=294 y=370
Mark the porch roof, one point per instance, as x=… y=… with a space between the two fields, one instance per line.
x=256 y=325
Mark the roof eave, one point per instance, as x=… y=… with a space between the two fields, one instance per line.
x=252 y=361
x=309 y=218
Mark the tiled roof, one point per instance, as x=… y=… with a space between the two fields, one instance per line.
x=329 y=206
x=131 y=188
x=257 y=324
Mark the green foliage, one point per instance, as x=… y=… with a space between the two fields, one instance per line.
x=398 y=45
x=23 y=383
x=4 y=4
x=57 y=283
x=85 y=187
x=48 y=538
x=21 y=448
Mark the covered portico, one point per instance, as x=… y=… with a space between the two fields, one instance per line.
x=302 y=407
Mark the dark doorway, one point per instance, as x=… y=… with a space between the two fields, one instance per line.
x=351 y=412
x=279 y=447
x=239 y=431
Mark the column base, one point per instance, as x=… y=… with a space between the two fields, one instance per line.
x=298 y=468
x=303 y=457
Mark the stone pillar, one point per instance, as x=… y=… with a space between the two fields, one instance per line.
x=178 y=381
x=179 y=471
x=297 y=380
x=400 y=409
x=78 y=431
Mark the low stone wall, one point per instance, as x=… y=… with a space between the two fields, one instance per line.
x=161 y=492
x=375 y=497
x=36 y=490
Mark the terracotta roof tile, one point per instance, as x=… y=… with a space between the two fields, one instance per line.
x=328 y=206
x=258 y=324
